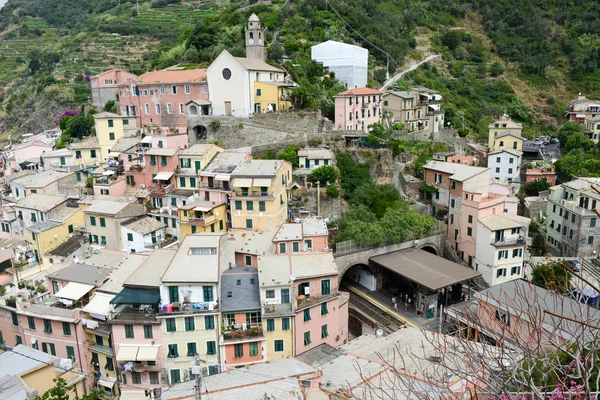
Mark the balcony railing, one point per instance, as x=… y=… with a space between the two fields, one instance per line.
x=187 y=308
x=242 y=334
x=205 y=185
x=274 y=310
x=143 y=367
x=508 y=241
x=308 y=301
x=254 y=193
x=201 y=221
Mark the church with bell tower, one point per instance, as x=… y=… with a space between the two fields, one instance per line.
x=255 y=39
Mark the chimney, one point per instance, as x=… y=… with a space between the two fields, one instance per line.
x=580 y=96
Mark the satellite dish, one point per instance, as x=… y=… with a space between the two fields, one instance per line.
x=33 y=341
x=292 y=278
x=378 y=332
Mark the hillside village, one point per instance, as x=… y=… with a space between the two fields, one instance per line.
x=192 y=233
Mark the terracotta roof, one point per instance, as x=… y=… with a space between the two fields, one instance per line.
x=359 y=91
x=182 y=76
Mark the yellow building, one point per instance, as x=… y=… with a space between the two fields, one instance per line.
x=201 y=216
x=278 y=330
x=499 y=129
x=86 y=152
x=48 y=235
x=109 y=129
x=33 y=367
x=260 y=195
x=592 y=128
x=191 y=162
x=272 y=96
x=191 y=333
x=507 y=140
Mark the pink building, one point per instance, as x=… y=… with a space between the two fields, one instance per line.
x=160 y=97
x=156 y=172
x=138 y=349
x=310 y=235
x=31 y=151
x=11 y=328
x=466 y=194
x=168 y=139
x=321 y=311
x=110 y=187
x=356 y=109
x=539 y=174
x=105 y=85
x=57 y=331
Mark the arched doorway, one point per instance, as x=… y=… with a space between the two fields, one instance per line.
x=200 y=132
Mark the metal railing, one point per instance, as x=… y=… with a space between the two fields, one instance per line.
x=511 y=240
x=253 y=193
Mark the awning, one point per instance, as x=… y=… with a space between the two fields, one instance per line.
x=203 y=208
x=107 y=382
x=127 y=353
x=425 y=268
x=137 y=353
x=163 y=176
x=146 y=139
x=262 y=182
x=134 y=395
x=242 y=182
x=147 y=353
x=222 y=177
x=137 y=297
x=435 y=107
x=108 y=173
x=100 y=304
x=73 y=291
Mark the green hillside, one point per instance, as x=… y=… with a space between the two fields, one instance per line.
x=524 y=58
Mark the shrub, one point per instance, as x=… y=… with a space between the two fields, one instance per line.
x=332 y=191
x=215 y=125
x=315 y=141
x=2 y=291
x=323 y=174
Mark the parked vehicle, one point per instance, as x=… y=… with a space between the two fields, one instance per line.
x=574 y=265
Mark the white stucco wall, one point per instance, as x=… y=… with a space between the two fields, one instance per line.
x=502 y=169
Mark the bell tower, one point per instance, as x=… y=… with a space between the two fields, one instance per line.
x=255 y=39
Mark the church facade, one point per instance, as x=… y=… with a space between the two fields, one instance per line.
x=237 y=83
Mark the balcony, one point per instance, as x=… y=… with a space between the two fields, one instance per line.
x=311 y=300
x=277 y=310
x=144 y=367
x=234 y=335
x=508 y=241
x=188 y=308
x=205 y=185
x=160 y=243
x=259 y=194
x=100 y=349
x=202 y=221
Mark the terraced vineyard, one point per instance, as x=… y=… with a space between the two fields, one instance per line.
x=96 y=50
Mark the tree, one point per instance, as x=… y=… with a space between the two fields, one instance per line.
x=290 y=153
x=61 y=392
x=275 y=52
x=35 y=61
x=534 y=188
x=567 y=130
x=553 y=275
x=452 y=39
x=352 y=173
x=110 y=106
x=80 y=126
x=378 y=198
x=365 y=233
x=401 y=223
x=324 y=174
x=578 y=140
